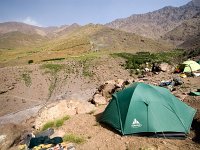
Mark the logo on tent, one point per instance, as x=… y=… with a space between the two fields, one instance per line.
x=136 y=124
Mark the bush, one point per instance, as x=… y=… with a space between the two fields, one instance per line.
x=137 y=61
x=59 y=122
x=53 y=68
x=27 y=79
x=73 y=138
x=30 y=61
x=47 y=125
x=56 y=123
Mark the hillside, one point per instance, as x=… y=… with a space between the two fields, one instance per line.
x=192 y=43
x=187 y=34
x=79 y=40
x=98 y=37
x=16 y=39
x=18 y=35
x=157 y=23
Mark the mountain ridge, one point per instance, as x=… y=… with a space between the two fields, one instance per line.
x=162 y=24
x=157 y=23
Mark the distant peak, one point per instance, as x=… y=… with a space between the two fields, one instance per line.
x=75 y=25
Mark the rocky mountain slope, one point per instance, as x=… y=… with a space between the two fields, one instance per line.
x=157 y=23
x=186 y=35
x=21 y=27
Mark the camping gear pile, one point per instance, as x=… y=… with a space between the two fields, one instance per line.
x=170 y=84
x=148 y=110
x=43 y=141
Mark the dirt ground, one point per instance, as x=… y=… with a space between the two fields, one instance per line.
x=25 y=87
x=16 y=96
x=100 y=136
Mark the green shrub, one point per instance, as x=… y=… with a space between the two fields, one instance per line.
x=30 y=61
x=56 y=123
x=137 y=61
x=47 y=125
x=73 y=138
x=52 y=68
x=66 y=118
x=59 y=122
x=27 y=79
x=86 y=63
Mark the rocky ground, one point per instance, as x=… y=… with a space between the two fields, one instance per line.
x=25 y=87
x=21 y=98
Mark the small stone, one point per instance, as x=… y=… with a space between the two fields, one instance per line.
x=163 y=142
x=2 y=138
x=11 y=87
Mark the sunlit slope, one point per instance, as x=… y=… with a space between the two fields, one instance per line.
x=98 y=37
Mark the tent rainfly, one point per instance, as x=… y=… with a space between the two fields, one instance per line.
x=189 y=66
x=144 y=108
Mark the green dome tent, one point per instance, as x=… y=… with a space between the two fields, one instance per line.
x=189 y=66
x=143 y=108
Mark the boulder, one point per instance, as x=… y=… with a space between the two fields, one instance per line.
x=164 y=67
x=60 y=109
x=129 y=81
x=108 y=90
x=99 y=100
x=119 y=83
x=9 y=135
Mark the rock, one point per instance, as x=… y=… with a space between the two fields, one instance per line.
x=11 y=88
x=2 y=138
x=118 y=89
x=108 y=90
x=146 y=69
x=58 y=133
x=60 y=109
x=84 y=107
x=99 y=100
x=9 y=135
x=47 y=132
x=181 y=96
x=119 y=83
x=163 y=142
x=129 y=81
x=164 y=67
x=100 y=89
x=70 y=146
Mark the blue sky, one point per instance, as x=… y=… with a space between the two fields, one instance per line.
x=60 y=12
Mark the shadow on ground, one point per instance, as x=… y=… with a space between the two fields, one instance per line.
x=196 y=128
